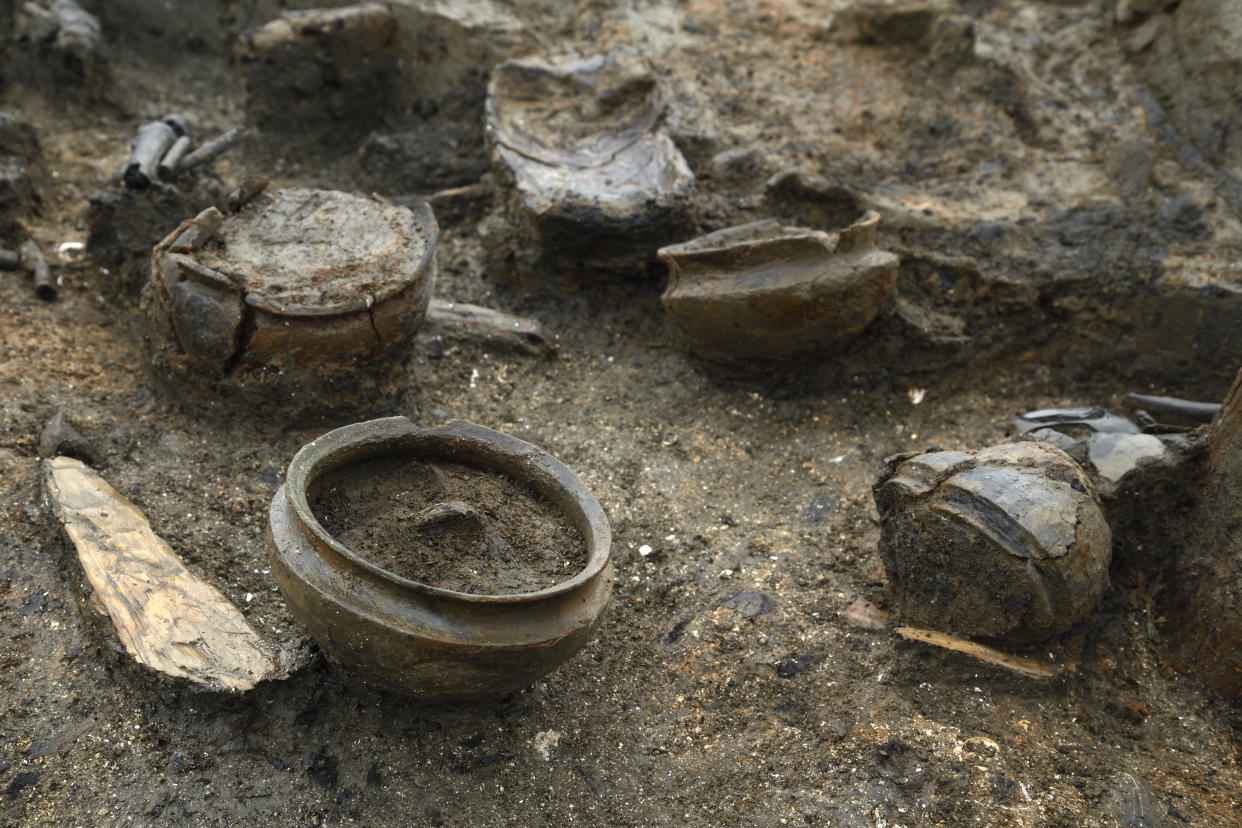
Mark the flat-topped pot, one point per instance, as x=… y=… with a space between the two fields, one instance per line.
x=416 y=638
x=301 y=305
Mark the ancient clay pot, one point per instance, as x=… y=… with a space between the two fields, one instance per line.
x=414 y=638
x=1004 y=542
x=761 y=291
x=303 y=302
x=595 y=177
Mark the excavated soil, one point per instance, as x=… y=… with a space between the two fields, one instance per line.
x=1064 y=241
x=449 y=525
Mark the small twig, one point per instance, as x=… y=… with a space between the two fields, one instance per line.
x=1197 y=412
x=216 y=146
x=1023 y=666
x=485 y=324
x=171 y=161
x=36 y=263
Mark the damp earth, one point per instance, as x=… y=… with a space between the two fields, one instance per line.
x=1067 y=223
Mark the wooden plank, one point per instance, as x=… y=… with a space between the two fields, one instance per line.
x=167 y=618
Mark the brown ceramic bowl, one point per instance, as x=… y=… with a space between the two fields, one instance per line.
x=415 y=638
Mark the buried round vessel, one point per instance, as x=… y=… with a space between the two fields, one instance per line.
x=302 y=302
x=417 y=638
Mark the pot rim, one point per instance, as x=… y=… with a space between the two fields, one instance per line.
x=375 y=434
x=421 y=273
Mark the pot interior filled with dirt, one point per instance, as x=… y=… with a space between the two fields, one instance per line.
x=455 y=526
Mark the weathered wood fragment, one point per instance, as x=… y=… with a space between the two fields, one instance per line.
x=167 y=618
x=1203 y=597
x=1028 y=667
x=490 y=326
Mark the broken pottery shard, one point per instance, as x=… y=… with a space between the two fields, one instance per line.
x=1107 y=445
x=304 y=300
x=1004 y=542
x=763 y=291
x=1092 y=419
x=597 y=179
x=168 y=619
x=1113 y=455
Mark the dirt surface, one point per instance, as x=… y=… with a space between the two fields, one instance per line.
x=300 y=250
x=449 y=525
x=1062 y=243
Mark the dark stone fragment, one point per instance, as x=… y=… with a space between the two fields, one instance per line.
x=749 y=603
x=792 y=665
x=1002 y=786
x=59 y=437
x=1132 y=803
x=22 y=781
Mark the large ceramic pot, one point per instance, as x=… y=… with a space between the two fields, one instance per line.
x=303 y=303
x=415 y=638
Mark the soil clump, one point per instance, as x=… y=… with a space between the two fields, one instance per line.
x=449 y=525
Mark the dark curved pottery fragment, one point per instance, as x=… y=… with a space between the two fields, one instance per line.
x=596 y=177
x=415 y=638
